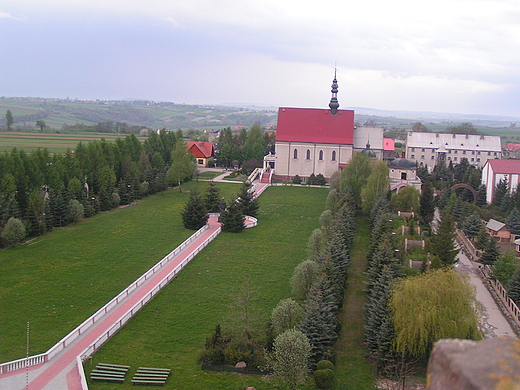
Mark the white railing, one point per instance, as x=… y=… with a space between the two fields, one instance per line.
x=80 y=329
x=82 y=377
x=96 y=344
x=254 y=174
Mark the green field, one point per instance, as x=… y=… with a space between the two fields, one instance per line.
x=58 y=280
x=54 y=143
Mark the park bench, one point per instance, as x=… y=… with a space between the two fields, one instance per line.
x=148 y=382
x=107 y=378
x=105 y=372
x=151 y=376
x=119 y=367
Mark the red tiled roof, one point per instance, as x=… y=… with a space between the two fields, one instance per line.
x=504 y=166
x=513 y=147
x=200 y=149
x=388 y=144
x=315 y=126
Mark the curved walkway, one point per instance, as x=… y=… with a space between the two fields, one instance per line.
x=62 y=371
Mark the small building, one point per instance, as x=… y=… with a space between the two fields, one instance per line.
x=498 y=230
x=202 y=151
x=496 y=170
x=403 y=172
x=517 y=246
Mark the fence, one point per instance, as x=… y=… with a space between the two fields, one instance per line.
x=79 y=330
x=487 y=273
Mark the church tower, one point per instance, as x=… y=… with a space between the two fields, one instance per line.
x=333 y=105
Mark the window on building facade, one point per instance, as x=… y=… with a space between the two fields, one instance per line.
x=456 y=151
x=432 y=157
x=463 y=152
x=295 y=154
x=455 y=159
x=478 y=159
x=321 y=155
x=422 y=157
x=478 y=153
x=423 y=150
x=472 y=159
x=472 y=152
x=333 y=155
x=489 y=153
x=308 y=157
x=412 y=156
x=413 y=149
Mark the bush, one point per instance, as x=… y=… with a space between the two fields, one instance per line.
x=324 y=364
x=296 y=179
x=324 y=379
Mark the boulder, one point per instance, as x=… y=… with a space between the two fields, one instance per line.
x=241 y=365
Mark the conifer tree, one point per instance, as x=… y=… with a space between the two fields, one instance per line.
x=194 y=215
x=247 y=203
x=491 y=252
x=443 y=242
x=513 y=221
x=472 y=225
x=513 y=288
x=481 y=196
x=378 y=329
x=232 y=219
x=212 y=198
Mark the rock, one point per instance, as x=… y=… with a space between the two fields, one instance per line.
x=250 y=388
x=241 y=365
x=475 y=365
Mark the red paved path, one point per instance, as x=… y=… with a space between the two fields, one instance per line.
x=62 y=372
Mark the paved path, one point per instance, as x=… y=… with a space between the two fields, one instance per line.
x=493 y=322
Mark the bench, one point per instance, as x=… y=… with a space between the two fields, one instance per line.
x=107 y=378
x=148 y=382
x=153 y=369
x=104 y=372
x=113 y=366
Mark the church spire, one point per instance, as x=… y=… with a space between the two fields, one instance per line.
x=333 y=105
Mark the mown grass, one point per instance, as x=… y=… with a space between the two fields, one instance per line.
x=353 y=370
x=57 y=281
x=171 y=330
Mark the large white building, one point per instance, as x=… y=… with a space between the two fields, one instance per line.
x=496 y=170
x=429 y=148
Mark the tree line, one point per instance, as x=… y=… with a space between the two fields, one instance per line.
x=41 y=190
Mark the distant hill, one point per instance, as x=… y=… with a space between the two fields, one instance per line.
x=155 y=115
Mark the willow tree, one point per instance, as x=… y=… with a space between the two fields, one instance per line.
x=432 y=306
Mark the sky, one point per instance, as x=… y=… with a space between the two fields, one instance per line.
x=453 y=56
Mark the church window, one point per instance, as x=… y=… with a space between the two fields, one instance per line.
x=321 y=155
x=295 y=154
x=308 y=157
x=333 y=155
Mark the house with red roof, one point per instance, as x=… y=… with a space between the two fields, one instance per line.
x=202 y=151
x=496 y=170
x=312 y=140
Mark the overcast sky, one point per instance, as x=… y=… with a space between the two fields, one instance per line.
x=452 y=56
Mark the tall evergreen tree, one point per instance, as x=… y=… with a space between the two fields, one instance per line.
x=500 y=192
x=194 y=215
x=247 y=203
x=491 y=253
x=443 y=242
x=513 y=288
x=212 y=198
x=472 y=225
x=513 y=221
x=232 y=219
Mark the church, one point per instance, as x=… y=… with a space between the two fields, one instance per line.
x=314 y=140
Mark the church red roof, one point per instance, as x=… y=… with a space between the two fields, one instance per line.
x=315 y=126
x=200 y=149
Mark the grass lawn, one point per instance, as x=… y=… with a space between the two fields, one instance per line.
x=58 y=280
x=171 y=330
x=353 y=370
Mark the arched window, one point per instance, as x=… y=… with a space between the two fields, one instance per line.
x=321 y=155
x=295 y=154
x=308 y=154
x=333 y=155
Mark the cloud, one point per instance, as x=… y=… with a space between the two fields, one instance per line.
x=7 y=15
